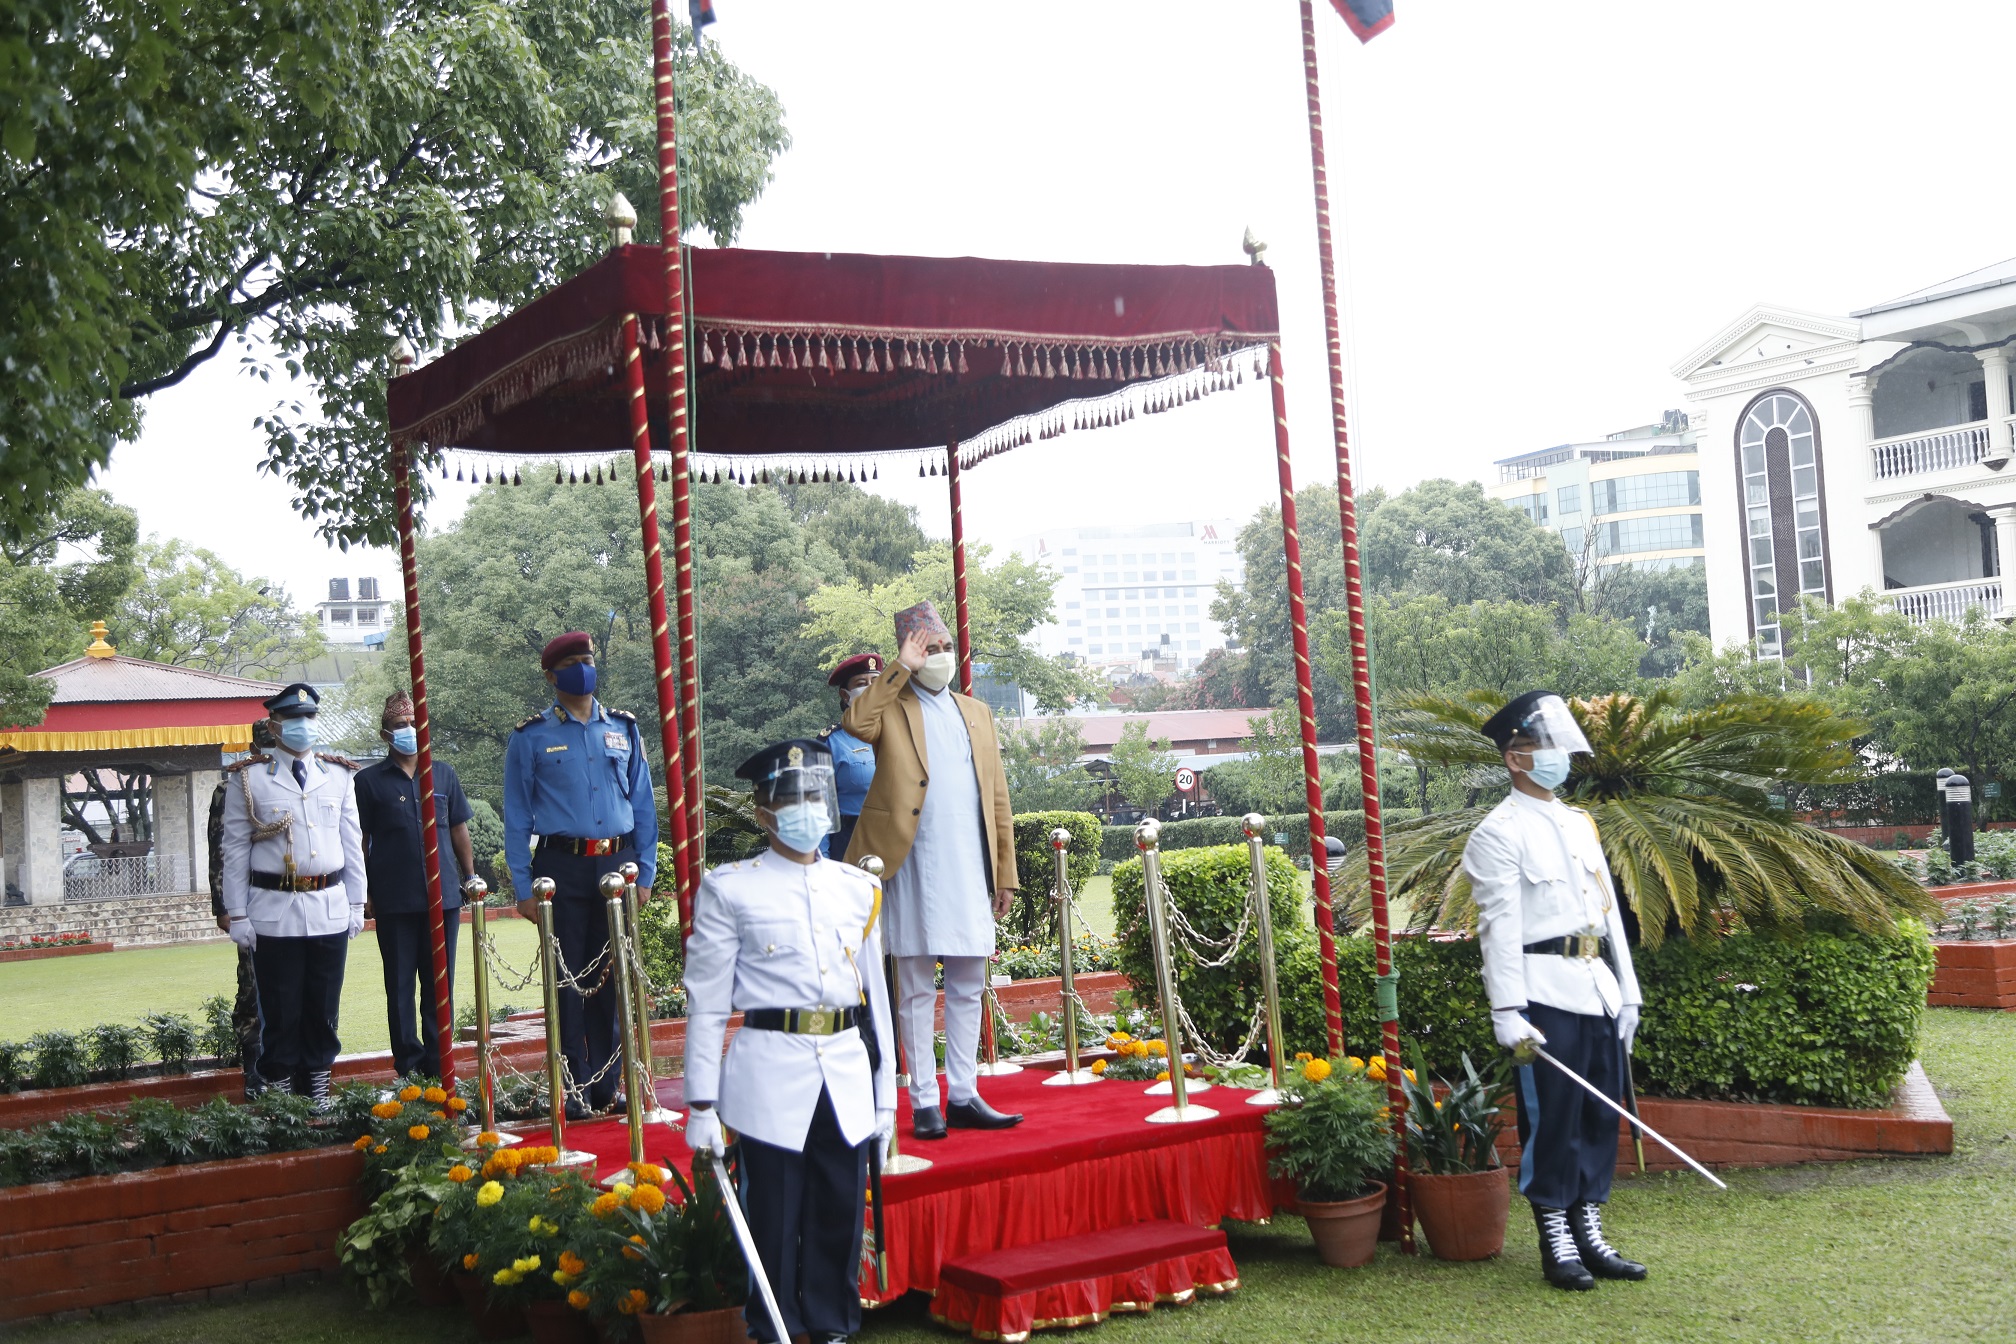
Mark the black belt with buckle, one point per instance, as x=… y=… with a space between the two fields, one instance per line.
x=574 y=844
x=298 y=882
x=805 y=1021
x=1581 y=946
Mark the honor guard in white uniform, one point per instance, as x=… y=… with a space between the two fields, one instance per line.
x=791 y=940
x=294 y=889
x=1557 y=968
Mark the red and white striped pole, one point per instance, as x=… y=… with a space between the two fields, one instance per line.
x=959 y=573
x=1386 y=993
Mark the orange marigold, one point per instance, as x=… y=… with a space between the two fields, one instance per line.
x=647 y=1199
x=604 y=1205
x=409 y=1094
x=434 y=1095
x=629 y=1254
x=379 y=1150
x=418 y=1132
x=1162 y=1077
x=650 y=1173
x=488 y=1138
x=459 y=1173
x=1158 y=1048
x=1098 y=1066
x=578 y=1300
x=633 y=1302
x=469 y=1261
x=385 y=1110
x=363 y=1142
x=571 y=1263
x=457 y=1105
x=1315 y=1070
x=439 y=1115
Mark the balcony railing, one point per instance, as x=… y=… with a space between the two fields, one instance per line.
x=86 y=877
x=1947 y=601
x=1938 y=450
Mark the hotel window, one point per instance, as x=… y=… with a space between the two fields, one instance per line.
x=1659 y=490
x=1070 y=606
x=1072 y=625
x=1112 y=611
x=1096 y=648
x=1784 y=540
x=1070 y=550
x=1190 y=610
x=1070 y=569
x=1133 y=629
x=1075 y=640
x=1569 y=499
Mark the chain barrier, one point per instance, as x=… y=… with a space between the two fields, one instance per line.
x=495 y=959
x=1231 y=943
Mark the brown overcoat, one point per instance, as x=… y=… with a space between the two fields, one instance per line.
x=887 y=716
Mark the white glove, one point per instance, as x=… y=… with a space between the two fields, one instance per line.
x=1513 y=1030
x=885 y=1129
x=356 y=920
x=703 y=1131
x=1627 y=1025
x=242 y=933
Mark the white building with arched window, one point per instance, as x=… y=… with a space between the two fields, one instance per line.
x=1869 y=451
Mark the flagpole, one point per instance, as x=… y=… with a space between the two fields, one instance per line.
x=1386 y=982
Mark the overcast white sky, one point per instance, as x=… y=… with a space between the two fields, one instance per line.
x=1540 y=208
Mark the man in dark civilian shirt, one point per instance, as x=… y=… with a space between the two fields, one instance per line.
x=395 y=862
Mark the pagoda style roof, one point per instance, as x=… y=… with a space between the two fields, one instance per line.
x=121 y=680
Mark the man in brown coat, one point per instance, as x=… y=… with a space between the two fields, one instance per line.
x=937 y=815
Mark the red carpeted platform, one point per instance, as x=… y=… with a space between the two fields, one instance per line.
x=1003 y=1295
x=1083 y=1161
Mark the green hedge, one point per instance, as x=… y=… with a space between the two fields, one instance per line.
x=1029 y=919
x=1828 y=1017
x=1117 y=842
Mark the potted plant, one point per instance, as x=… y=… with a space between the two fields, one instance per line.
x=1331 y=1135
x=542 y=1220
x=672 y=1268
x=1461 y=1190
x=471 y=1235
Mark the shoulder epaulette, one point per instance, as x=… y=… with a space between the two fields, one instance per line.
x=527 y=723
x=623 y=714
x=333 y=759
x=829 y=732
x=256 y=758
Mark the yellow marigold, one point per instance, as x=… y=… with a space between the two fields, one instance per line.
x=1356 y=1063
x=571 y=1263
x=604 y=1205
x=633 y=1302
x=409 y=1094
x=578 y=1300
x=647 y=1199
x=488 y=1138
x=363 y=1142
x=1316 y=1070
x=385 y=1110
x=457 y=1105
x=1375 y=1068
x=1158 y=1048
x=1303 y=1056
x=1098 y=1066
x=469 y=1260
x=562 y=1277
x=439 y=1115
x=459 y=1173
x=489 y=1194
x=506 y=1276
x=650 y=1173
x=379 y=1151
x=1118 y=1038
x=526 y=1264
x=1409 y=1073
x=418 y=1132
x=434 y=1095
x=1162 y=1077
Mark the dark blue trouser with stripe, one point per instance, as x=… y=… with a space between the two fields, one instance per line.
x=1567 y=1138
x=805 y=1213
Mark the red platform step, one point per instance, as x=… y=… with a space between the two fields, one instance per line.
x=1005 y=1294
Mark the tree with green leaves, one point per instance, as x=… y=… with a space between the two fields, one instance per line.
x=1042 y=766
x=190 y=609
x=305 y=180
x=72 y=569
x=875 y=539
x=1144 y=768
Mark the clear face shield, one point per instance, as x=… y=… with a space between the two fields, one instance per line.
x=802 y=805
x=1553 y=728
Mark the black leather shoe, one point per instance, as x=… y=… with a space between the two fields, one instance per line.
x=1560 y=1261
x=928 y=1123
x=577 y=1113
x=977 y=1114
x=1585 y=1221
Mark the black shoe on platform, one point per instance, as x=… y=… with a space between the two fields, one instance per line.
x=577 y=1113
x=1585 y=1221
x=977 y=1114
x=928 y=1123
x=1560 y=1261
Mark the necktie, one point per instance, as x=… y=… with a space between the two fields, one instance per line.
x=301 y=773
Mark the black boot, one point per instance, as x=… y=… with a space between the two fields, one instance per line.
x=1585 y=1220
x=1559 y=1259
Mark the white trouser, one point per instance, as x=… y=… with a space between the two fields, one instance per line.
x=916 y=1013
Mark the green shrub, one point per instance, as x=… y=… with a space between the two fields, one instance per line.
x=59 y=1059
x=1334 y=1138
x=1032 y=918
x=16 y=1065
x=165 y=1132
x=1444 y=1013
x=86 y=1145
x=1209 y=887
x=1827 y=1018
x=174 y=1038
x=220 y=1033
x=1117 y=842
x=114 y=1047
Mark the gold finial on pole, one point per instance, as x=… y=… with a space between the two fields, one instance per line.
x=1253 y=247
x=1148 y=838
x=621 y=217
x=99 y=647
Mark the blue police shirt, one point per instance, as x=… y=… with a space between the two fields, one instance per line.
x=585 y=778
x=853 y=772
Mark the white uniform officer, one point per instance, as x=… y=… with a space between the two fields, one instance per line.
x=1557 y=968
x=791 y=941
x=294 y=889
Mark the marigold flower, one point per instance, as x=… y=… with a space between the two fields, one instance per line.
x=526 y=1265
x=469 y=1260
x=562 y=1277
x=578 y=1300
x=1098 y=1066
x=409 y=1094
x=1118 y=1038
x=379 y=1151
x=604 y=1205
x=647 y=1199
x=1316 y=1070
x=363 y=1142
x=434 y=1095
x=1409 y=1073
x=1162 y=1077
x=571 y=1263
x=633 y=1302
x=488 y=1138
x=489 y=1194
x=439 y=1115
x=1303 y=1056
x=506 y=1276
x=1158 y=1048
x=648 y=1172
x=457 y=1105
x=459 y=1173
x=418 y=1132
x=629 y=1254
x=1355 y=1062
x=385 y=1110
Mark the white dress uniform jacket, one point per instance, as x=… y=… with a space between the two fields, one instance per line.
x=1537 y=871
x=323 y=836
x=770 y=933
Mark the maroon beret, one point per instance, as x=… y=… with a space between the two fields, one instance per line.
x=565 y=646
x=850 y=668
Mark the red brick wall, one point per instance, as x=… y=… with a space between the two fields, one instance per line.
x=1974 y=975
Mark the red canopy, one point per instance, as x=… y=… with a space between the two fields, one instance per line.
x=823 y=353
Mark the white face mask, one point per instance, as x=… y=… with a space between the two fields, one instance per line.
x=936 y=674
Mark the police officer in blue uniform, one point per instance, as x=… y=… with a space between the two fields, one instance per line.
x=577 y=778
x=792 y=941
x=294 y=889
x=853 y=759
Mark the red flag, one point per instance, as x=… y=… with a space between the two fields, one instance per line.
x=1367 y=18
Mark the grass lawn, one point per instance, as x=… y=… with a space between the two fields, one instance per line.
x=1908 y=1250
x=72 y=993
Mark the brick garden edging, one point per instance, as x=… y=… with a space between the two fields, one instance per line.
x=1978 y=974
x=60 y=950
x=176 y=1234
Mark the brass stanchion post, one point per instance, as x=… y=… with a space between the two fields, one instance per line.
x=556 y=1071
x=993 y=1066
x=1254 y=824
x=1147 y=836
x=897 y=1162
x=1071 y=1075
x=640 y=997
x=475 y=892
x=619 y=978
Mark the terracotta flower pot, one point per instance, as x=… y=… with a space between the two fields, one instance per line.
x=1464 y=1216
x=554 y=1322
x=430 y=1282
x=490 y=1322
x=1346 y=1232
x=725 y=1326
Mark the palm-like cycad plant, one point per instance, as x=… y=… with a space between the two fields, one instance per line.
x=1683 y=801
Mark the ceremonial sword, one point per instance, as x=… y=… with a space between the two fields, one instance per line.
x=1650 y=1132
x=875 y=1200
x=732 y=1199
